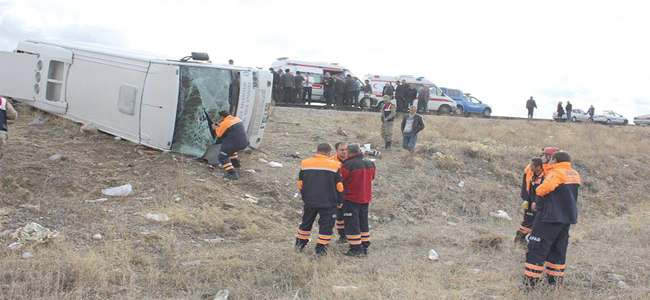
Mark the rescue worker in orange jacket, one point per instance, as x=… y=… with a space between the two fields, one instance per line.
x=321 y=187
x=557 y=209
x=530 y=180
x=232 y=134
x=340 y=156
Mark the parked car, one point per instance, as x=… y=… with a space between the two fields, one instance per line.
x=577 y=115
x=467 y=104
x=642 y=120
x=610 y=117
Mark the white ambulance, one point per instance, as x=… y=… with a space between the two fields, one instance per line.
x=438 y=101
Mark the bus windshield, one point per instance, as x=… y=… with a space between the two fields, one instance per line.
x=203 y=92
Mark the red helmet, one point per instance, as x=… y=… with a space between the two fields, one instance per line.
x=550 y=150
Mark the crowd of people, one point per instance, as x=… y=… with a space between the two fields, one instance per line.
x=341 y=90
x=561 y=110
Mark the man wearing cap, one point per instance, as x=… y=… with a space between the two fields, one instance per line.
x=7 y=112
x=388 y=114
x=557 y=209
x=412 y=124
x=532 y=178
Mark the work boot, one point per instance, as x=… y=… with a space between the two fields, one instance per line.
x=554 y=280
x=354 y=252
x=300 y=244
x=342 y=238
x=365 y=246
x=231 y=176
x=321 y=250
x=388 y=144
x=521 y=239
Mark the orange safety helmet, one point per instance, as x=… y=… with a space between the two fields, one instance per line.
x=550 y=150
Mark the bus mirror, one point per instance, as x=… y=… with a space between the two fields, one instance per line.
x=200 y=56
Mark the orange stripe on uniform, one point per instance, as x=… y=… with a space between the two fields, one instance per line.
x=554 y=273
x=534 y=267
x=534 y=275
x=559 y=267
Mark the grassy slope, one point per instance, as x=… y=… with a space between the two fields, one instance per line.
x=414 y=198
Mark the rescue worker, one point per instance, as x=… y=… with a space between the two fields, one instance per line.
x=340 y=156
x=7 y=112
x=533 y=177
x=388 y=114
x=557 y=209
x=358 y=174
x=320 y=184
x=233 y=138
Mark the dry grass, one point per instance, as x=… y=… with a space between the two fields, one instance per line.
x=414 y=198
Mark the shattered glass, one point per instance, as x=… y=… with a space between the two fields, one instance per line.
x=202 y=90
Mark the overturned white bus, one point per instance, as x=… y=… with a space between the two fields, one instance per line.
x=153 y=100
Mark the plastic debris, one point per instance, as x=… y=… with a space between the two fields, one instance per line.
x=15 y=246
x=56 y=156
x=38 y=121
x=119 y=191
x=501 y=215
x=157 y=217
x=89 y=128
x=97 y=236
x=264 y=161
x=275 y=164
x=214 y=240
x=27 y=255
x=100 y=200
x=117 y=138
x=433 y=255
x=251 y=199
x=295 y=196
x=251 y=171
x=221 y=295
x=451 y=224
x=461 y=184
x=33 y=232
x=191 y=263
x=346 y=288
x=474 y=271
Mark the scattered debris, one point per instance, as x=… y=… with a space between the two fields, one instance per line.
x=451 y=224
x=38 y=121
x=291 y=155
x=501 y=215
x=251 y=199
x=609 y=179
x=439 y=154
x=347 y=288
x=191 y=263
x=214 y=240
x=227 y=206
x=488 y=241
x=616 y=277
x=30 y=206
x=474 y=271
x=374 y=218
x=33 y=232
x=200 y=180
x=622 y=284
x=97 y=236
x=341 y=132
x=89 y=128
x=117 y=138
x=56 y=156
x=27 y=255
x=295 y=196
x=15 y=246
x=275 y=164
x=251 y=171
x=221 y=295
x=264 y=161
x=433 y=255
x=119 y=191
x=318 y=137
x=461 y=184
x=154 y=217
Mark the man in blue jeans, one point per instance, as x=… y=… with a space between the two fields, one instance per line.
x=412 y=124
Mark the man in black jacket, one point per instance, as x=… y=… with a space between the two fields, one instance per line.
x=400 y=96
x=329 y=87
x=288 y=83
x=340 y=90
x=411 y=95
x=388 y=90
x=276 y=85
x=349 y=91
x=321 y=186
x=412 y=124
x=531 y=105
x=298 y=87
x=423 y=99
x=233 y=138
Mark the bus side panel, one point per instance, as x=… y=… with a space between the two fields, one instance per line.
x=93 y=93
x=260 y=111
x=158 y=107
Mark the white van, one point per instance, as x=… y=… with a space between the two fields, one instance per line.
x=316 y=71
x=438 y=101
x=150 y=99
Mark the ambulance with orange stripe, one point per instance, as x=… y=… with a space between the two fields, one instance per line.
x=438 y=101
x=316 y=71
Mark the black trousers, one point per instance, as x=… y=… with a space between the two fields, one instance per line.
x=229 y=159
x=526 y=226
x=530 y=112
x=355 y=98
x=400 y=104
x=288 y=94
x=298 y=96
x=357 y=228
x=547 y=247
x=340 y=222
x=349 y=98
x=422 y=106
x=306 y=95
x=325 y=223
x=339 y=99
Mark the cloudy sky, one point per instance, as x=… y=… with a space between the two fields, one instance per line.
x=587 y=52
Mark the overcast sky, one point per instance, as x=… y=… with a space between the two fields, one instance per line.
x=502 y=52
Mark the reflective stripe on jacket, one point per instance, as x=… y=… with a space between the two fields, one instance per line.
x=320 y=182
x=559 y=195
x=232 y=133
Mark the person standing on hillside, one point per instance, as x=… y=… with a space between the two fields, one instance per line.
x=340 y=156
x=591 y=111
x=340 y=91
x=233 y=138
x=423 y=99
x=411 y=95
x=306 y=94
x=298 y=87
x=320 y=184
x=329 y=86
x=276 y=84
x=358 y=174
x=349 y=91
x=560 y=111
x=569 y=110
x=557 y=209
x=288 y=83
x=388 y=114
x=400 y=95
x=412 y=124
x=533 y=177
x=388 y=90
x=531 y=105
x=7 y=112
